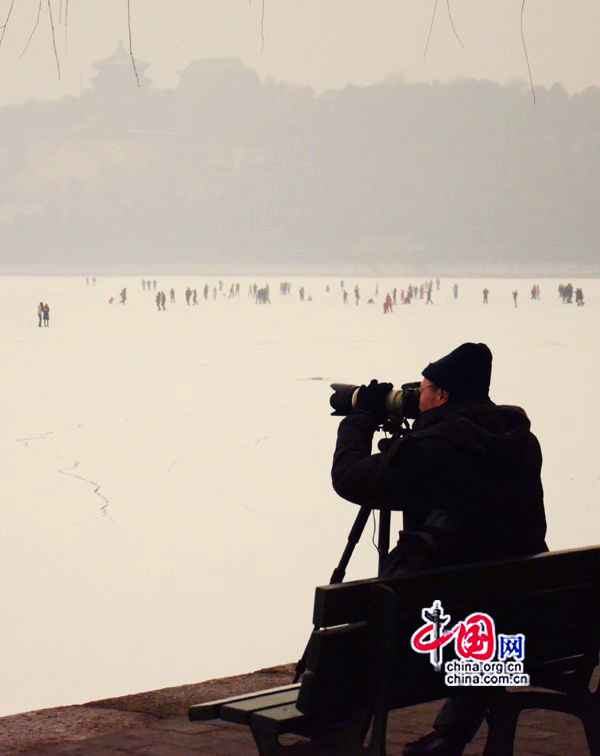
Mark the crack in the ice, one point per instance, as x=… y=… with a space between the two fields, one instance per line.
x=245 y=446
x=64 y=471
x=42 y=436
x=104 y=507
x=272 y=516
x=237 y=501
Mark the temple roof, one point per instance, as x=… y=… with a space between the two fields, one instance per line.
x=119 y=60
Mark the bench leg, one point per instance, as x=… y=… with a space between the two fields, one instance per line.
x=502 y=723
x=589 y=714
x=378 y=735
x=592 y=733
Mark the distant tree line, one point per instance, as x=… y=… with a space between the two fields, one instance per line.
x=229 y=168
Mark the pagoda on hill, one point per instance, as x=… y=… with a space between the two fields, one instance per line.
x=116 y=74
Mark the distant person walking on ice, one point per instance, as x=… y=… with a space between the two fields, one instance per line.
x=123 y=296
x=163 y=300
x=172 y=295
x=515 y=294
x=486 y=291
x=455 y=291
x=40 y=314
x=345 y=293
x=157 y=300
x=429 y=299
x=356 y=293
x=46 y=316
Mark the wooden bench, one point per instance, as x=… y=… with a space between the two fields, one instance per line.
x=360 y=663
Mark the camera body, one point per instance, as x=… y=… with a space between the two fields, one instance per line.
x=400 y=404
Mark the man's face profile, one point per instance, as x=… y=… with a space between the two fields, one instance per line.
x=430 y=396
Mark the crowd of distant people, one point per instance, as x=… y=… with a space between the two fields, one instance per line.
x=423 y=291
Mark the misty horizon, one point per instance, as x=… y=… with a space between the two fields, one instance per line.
x=229 y=170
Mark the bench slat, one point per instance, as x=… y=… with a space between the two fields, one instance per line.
x=280 y=720
x=241 y=712
x=211 y=709
x=341 y=603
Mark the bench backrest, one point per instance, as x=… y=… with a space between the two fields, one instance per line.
x=553 y=599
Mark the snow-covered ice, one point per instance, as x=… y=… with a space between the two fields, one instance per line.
x=167 y=508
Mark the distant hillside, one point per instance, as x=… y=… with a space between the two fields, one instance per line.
x=227 y=169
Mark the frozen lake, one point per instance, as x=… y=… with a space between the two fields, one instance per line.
x=168 y=481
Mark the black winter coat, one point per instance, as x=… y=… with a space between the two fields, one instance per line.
x=467 y=478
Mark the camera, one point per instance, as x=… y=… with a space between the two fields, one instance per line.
x=400 y=404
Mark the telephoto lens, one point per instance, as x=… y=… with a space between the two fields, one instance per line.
x=400 y=404
x=343 y=399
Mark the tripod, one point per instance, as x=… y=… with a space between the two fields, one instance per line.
x=356 y=531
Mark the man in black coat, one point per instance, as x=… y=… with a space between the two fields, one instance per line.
x=467 y=478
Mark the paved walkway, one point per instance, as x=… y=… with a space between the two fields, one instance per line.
x=155 y=724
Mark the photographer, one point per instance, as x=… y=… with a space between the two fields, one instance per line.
x=467 y=479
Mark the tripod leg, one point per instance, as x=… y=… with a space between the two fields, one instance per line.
x=383 y=543
x=356 y=531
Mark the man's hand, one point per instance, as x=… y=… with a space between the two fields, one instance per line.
x=371 y=398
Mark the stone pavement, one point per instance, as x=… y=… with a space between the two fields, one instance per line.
x=155 y=724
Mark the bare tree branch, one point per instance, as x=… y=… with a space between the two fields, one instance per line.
x=137 y=78
x=430 y=28
x=525 y=51
x=66 y=31
x=53 y=37
x=37 y=22
x=452 y=24
x=6 y=21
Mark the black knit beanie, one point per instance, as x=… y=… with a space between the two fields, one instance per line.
x=465 y=372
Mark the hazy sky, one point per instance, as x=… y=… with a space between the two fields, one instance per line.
x=319 y=43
